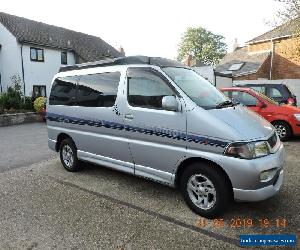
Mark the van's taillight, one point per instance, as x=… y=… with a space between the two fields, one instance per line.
x=290 y=101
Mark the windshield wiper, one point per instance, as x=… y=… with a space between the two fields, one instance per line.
x=224 y=104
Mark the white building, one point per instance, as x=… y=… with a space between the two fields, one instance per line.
x=35 y=51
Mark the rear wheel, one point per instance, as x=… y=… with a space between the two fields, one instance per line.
x=205 y=189
x=68 y=155
x=283 y=130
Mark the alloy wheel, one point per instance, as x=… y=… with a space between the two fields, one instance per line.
x=68 y=156
x=201 y=191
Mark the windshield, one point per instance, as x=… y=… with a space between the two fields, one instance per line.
x=266 y=98
x=202 y=92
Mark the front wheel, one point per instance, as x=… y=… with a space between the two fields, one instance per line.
x=283 y=130
x=68 y=155
x=205 y=189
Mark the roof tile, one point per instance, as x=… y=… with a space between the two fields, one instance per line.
x=88 y=47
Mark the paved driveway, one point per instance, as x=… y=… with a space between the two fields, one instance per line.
x=23 y=145
x=43 y=206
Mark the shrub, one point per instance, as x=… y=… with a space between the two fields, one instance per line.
x=39 y=104
x=12 y=99
x=27 y=103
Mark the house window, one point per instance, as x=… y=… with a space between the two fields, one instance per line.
x=236 y=66
x=39 y=90
x=64 y=57
x=36 y=54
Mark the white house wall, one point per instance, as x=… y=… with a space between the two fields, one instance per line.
x=42 y=73
x=10 y=57
x=223 y=82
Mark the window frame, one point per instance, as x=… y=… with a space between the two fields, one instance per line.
x=91 y=74
x=39 y=88
x=73 y=98
x=245 y=92
x=61 y=57
x=158 y=74
x=37 y=58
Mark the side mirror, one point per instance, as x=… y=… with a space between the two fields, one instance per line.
x=170 y=103
x=260 y=104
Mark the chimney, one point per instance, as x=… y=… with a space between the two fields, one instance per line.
x=235 y=45
x=122 y=51
x=188 y=60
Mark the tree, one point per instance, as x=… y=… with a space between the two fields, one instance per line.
x=290 y=12
x=202 y=45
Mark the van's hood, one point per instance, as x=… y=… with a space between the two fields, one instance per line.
x=230 y=124
x=247 y=123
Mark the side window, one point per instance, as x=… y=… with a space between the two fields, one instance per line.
x=98 y=90
x=244 y=98
x=260 y=89
x=63 y=91
x=146 y=88
x=274 y=93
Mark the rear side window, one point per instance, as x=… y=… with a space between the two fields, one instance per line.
x=98 y=90
x=146 y=89
x=260 y=89
x=274 y=93
x=63 y=91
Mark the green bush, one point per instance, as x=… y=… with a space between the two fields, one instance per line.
x=12 y=99
x=27 y=103
x=39 y=104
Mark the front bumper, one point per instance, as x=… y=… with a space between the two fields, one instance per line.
x=245 y=175
x=52 y=144
x=261 y=193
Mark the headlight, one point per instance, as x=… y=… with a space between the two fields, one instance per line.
x=248 y=150
x=297 y=116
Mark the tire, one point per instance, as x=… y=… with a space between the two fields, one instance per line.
x=218 y=192
x=283 y=130
x=68 y=155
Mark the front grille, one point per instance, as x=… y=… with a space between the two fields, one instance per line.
x=273 y=140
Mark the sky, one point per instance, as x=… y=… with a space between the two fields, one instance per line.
x=151 y=27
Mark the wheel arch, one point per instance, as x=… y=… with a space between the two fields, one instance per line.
x=60 y=138
x=185 y=163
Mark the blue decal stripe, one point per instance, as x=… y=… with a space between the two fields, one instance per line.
x=176 y=135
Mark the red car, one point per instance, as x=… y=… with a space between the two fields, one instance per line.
x=286 y=119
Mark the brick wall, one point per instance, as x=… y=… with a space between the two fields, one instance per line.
x=259 y=47
x=286 y=61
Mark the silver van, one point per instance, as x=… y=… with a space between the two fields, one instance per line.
x=156 y=118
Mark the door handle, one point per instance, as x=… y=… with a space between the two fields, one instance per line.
x=129 y=116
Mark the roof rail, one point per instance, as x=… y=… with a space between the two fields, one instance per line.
x=162 y=62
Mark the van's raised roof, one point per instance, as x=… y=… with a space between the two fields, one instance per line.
x=158 y=61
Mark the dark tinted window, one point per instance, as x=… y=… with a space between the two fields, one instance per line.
x=64 y=57
x=99 y=90
x=63 y=91
x=146 y=89
x=243 y=98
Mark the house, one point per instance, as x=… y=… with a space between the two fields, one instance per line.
x=34 y=52
x=272 y=55
x=207 y=71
